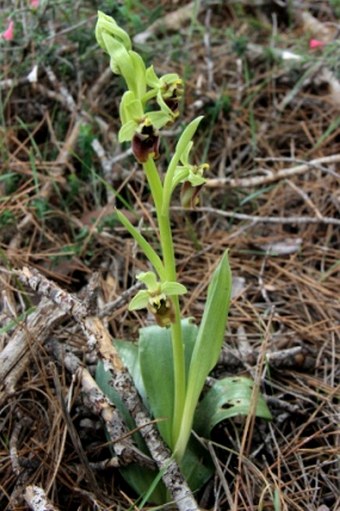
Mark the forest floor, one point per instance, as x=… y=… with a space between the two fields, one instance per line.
x=266 y=76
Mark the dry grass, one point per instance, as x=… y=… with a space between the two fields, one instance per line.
x=58 y=193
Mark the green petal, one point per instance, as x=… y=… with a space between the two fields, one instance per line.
x=139 y=301
x=173 y=288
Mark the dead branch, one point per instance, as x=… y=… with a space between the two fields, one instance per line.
x=37 y=500
x=99 y=404
x=300 y=220
x=272 y=176
x=25 y=341
x=98 y=338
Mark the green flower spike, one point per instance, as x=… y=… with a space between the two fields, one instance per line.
x=123 y=61
x=156 y=298
x=168 y=89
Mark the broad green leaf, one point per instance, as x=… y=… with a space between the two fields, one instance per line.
x=128 y=352
x=185 y=154
x=156 y=365
x=141 y=479
x=227 y=398
x=207 y=347
x=155 y=358
x=196 y=465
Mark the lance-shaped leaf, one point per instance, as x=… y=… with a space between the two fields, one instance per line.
x=149 y=252
x=207 y=348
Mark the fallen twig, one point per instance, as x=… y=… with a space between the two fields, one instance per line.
x=272 y=176
x=26 y=339
x=98 y=338
x=100 y=405
x=266 y=219
x=37 y=500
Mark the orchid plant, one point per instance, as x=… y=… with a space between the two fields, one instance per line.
x=172 y=359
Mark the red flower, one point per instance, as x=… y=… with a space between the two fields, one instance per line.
x=8 y=35
x=316 y=43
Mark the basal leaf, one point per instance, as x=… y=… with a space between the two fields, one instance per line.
x=156 y=366
x=141 y=479
x=227 y=398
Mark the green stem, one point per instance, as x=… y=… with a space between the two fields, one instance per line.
x=169 y=262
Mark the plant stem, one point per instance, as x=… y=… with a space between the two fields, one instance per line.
x=168 y=253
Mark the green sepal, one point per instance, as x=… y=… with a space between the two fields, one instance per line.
x=139 y=70
x=173 y=288
x=127 y=132
x=149 y=279
x=151 y=78
x=158 y=119
x=228 y=398
x=130 y=107
x=139 y=301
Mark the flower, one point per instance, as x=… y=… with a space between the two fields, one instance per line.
x=140 y=128
x=168 y=90
x=316 y=43
x=191 y=176
x=35 y=4
x=188 y=172
x=8 y=34
x=156 y=298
